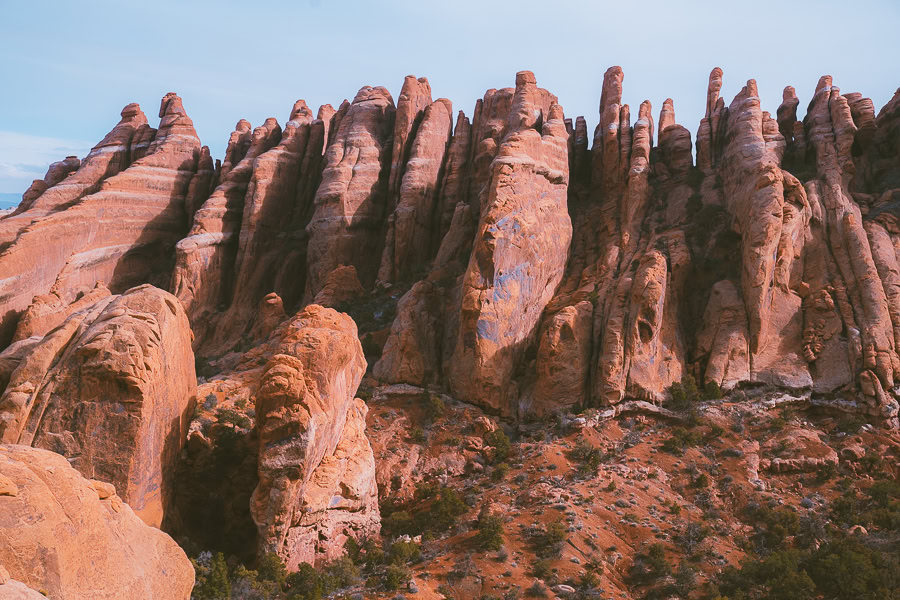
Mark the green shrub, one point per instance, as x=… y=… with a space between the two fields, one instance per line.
x=500 y=472
x=681 y=439
x=395 y=576
x=649 y=566
x=684 y=393
x=549 y=541
x=490 y=532
x=271 y=568
x=542 y=569
x=712 y=391
x=229 y=416
x=307 y=583
x=446 y=510
x=417 y=435
x=434 y=407
x=401 y=553
x=499 y=441
x=211 y=577
x=587 y=456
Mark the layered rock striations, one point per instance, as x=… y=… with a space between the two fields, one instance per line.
x=350 y=203
x=112 y=389
x=520 y=248
x=122 y=233
x=530 y=268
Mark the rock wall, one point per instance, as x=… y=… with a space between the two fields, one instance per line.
x=530 y=268
x=112 y=388
x=115 y=220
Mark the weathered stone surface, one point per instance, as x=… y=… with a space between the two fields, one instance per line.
x=413 y=225
x=123 y=235
x=316 y=470
x=61 y=535
x=341 y=285
x=205 y=258
x=410 y=353
x=112 y=389
x=645 y=289
x=563 y=360
x=16 y=590
x=723 y=339
x=415 y=97
x=520 y=249
x=69 y=180
x=350 y=201
x=48 y=310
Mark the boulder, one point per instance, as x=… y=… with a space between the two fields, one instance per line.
x=316 y=468
x=65 y=536
x=112 y=388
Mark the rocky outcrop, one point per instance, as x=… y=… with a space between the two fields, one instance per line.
x=68 y=181
x=74 y=539
x=412 y=227
x=555 y=272
x=205 y=258
x=122 y=233
x=316 y=469
x=49 y=310
x=351 y=199
x=520 y=248
x=112 y=389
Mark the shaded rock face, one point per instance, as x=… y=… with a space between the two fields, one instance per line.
x=650 y=290
x=247 y=239
x=49 y=310
x=520 y=248
x=350 y=202
x=316 y=468
x=74 y=538
x=112 y=389
x=521 y=257
x=115 y=220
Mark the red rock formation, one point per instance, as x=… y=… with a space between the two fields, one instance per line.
x=341 y=285
x=316 y=469
x=49 y=310
x=512 y=308
x=412 y=227
x=74 y=538
x=415 y=97
x=520 y=248
x=111 y=388
x=122 y=234
x=68 y=181
x=351 y=199
x=205 y=258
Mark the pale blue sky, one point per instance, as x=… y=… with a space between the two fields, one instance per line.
x=68 y=68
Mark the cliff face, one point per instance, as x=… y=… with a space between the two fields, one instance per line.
x=504 y=259
x=116 y=219
x=543 y=263
x=112 y=389
x=72 y=537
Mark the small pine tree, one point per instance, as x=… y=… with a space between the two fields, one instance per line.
x=490 y=531
x=212 y=578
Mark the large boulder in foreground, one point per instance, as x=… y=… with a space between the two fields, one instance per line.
x=112 y=389
x=316 y=468
x=74 y=538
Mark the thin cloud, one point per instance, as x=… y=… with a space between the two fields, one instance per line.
x=25 y=157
